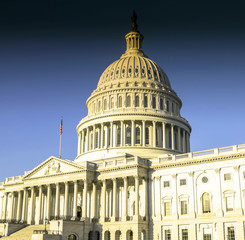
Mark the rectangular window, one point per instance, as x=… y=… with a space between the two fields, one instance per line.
x=184 y=234
x=183 y=206
x=166 y=184
x=207 y=234
x=227 y=176
x=182 y=182
x=168 y=234
x=229 y=203
x=167 y=207
x=231 y=233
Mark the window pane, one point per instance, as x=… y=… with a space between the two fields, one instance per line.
x=137 y=135
x=168 y=234
x=206 y=203
x=183 y=204
x=229 y=203
x=231 y=233
x=128 y=135
x=137 y=101
x=167 y=207
x=184 y=234
x=147 y=135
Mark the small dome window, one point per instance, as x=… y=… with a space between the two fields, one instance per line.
x=143 y=70
x=123 y=71
x=129 y=70
x=111 y=73
x=149 y=72
x=117 y=72
x=136 y=70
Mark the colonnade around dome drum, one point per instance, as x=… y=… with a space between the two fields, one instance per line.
x=134 y=133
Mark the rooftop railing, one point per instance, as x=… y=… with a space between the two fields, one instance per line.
x=201 y=154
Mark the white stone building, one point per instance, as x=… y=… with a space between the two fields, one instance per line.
x=134 y=176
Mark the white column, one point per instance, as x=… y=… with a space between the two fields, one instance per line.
x=121 y=133
x=158 y=196
x=111 y=134
x=87 y=140
x=219 y=209
x=94 y=200
x=132 y=133
x=114 y=215
x=104 y=200
x=175 y=196
x=238 y=197
x=79 y=144
x=192 y=195
x=23 y=217
x=184 y=141
x=40 y=204
x=11 y=206
x=66 y=200
x=145 y=183
x=32 y=205
x=5 y=205
x=74 y=217
x=18 y=207
x=48 y=200
x=154 y=133
x=85 y=190
x=57 y=200
x=172 y=136
x=136 y=197
x=163 y=135
x=93 y=143
x=143 y=133
x=153 y=197
x=125 y=213
x=179 y=145
x=102 y=135
x=82 y=142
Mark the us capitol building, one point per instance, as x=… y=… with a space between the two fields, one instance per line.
x=134 y=177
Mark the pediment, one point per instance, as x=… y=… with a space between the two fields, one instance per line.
x=53 y=166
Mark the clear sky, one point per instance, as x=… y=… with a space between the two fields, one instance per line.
x=52 y=54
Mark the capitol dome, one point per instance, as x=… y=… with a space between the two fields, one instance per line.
x=133 y=110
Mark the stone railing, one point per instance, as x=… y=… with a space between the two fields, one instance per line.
x=50 y=232
x=201 y=154
x=14 y=179
x=121 y=162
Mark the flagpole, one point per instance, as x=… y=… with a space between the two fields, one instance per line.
x=60 y=146
x=61 y=131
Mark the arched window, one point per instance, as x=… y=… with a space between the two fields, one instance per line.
x=129 y=235
x=107 y=235
x=112 y=103
x=97 y=235
x=91 y=140
x=145 y=101
x=118 y=235
x=90 y=235
x=137 y=131
x=173 y=108
x=206 y=205
x=153 y=101
x=161 y=104
x=169 y=138
x=105 y=104
x=118 y=136
x=137 y=101
x=128 y=101
x=147 y=137
x=73 y=237
x=128 y=135
x=120 y=101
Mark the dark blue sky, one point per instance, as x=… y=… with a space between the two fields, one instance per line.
x=52 y=54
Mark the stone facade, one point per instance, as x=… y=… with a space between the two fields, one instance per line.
x=134 y=176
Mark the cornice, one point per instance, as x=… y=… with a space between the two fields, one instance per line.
x=198 y=161
x=178 y=119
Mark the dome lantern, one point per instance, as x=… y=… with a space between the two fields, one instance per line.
x=134 y=39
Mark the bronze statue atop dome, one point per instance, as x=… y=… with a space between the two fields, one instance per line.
x=134 y=26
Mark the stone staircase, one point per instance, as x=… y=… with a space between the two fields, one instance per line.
x=25 y=233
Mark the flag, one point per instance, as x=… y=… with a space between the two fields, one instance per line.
x=61 y=126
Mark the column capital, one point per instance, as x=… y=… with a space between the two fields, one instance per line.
x=236 y=168
x=75 y=181
x=114 y=179
x=174 y=176
x=191 y=174
x=217 y=170
x=172 y=125
x=57 y=184
x=158 y=178
x=125 y=178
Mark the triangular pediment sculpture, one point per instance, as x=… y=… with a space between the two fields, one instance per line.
x=53 y=166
